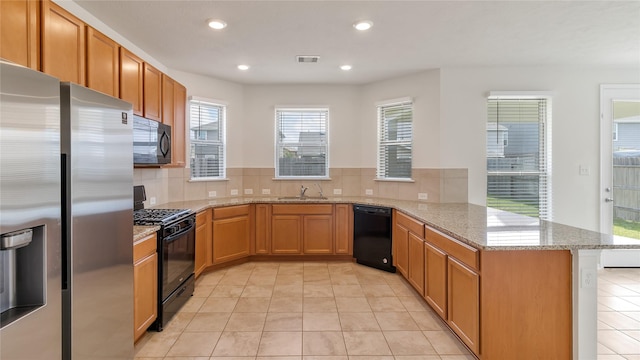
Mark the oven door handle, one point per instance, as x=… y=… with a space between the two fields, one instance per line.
x=175 y=236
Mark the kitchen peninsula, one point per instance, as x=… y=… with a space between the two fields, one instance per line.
x=506 y=284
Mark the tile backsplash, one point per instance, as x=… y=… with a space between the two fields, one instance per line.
x=173 y=184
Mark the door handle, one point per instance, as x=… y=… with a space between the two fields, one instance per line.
x=608 y=200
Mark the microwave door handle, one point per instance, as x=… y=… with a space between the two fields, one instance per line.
x=164 y=143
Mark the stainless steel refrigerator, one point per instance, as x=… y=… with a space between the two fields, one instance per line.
x=66 y=171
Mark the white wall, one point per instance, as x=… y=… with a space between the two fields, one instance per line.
x=575 y=128
x=259 y=111
x=424 y=88
x=232 y=95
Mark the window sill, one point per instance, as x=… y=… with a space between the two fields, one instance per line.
x=302 y=178
x=208 y=179
x=395 y=180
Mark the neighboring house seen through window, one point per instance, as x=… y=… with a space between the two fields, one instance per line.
x=519 y=155
x=301 y=143
x=207 y=137
x=395 y=122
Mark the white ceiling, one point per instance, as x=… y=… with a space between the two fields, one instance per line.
x=407 y=36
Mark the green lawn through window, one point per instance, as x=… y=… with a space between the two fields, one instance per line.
x=626 y=228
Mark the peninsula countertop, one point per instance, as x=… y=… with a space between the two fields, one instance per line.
x=478 y=226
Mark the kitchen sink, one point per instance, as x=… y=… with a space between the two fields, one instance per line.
x=303 y=198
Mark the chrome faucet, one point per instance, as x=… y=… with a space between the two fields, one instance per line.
x=303 y=190
x=319 y=189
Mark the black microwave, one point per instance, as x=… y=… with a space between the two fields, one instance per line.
x=151 y=142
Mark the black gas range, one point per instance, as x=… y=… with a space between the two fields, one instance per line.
x=176 y=255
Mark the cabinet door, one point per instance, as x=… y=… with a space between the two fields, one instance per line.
x=230 y=239
x=63 y=44
x=203 y=241
x=416 y=263
x=178 y=148
x=401 y=249
x=464 y=303
x=145 y=294
x=20 y=32
x=317 y=234
x=286 y=233
x=152 y=91
x=344 y=229
x=103 y=65
x=131 y=79
x=435 y=279
x=263 y=229
x=167 y=101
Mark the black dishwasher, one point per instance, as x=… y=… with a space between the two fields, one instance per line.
x=372 y=236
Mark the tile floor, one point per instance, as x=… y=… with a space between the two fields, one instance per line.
x=619 y=314
x=303 y=310
x=340 y=311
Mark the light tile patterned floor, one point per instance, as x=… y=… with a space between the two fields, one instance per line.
x=340 y=311
x=310 y=311
x=619 y=314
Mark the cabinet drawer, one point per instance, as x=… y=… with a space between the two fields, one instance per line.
x=231 y=211
x=143 y=248
x=413 y=225
x=465 y=253
x=201 y=218
x=322 y=209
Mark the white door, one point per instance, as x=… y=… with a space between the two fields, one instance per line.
x=620 y=171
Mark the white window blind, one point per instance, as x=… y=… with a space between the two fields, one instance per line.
x=301 y=143
x=519 y=156
x=394 y=140
x=207 y=135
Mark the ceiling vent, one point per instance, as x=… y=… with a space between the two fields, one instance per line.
x=307 y=58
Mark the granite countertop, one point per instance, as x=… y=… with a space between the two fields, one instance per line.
x=478 y=226
x=140 y=232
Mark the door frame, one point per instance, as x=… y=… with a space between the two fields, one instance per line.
x=609 y=92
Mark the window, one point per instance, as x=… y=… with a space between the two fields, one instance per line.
x=301 y=143
x=519 y=155
x=615 y=131
x=207 y=135
x=394 y=139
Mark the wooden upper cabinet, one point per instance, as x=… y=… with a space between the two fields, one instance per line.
x=178 y=150
x=168 y=89
x=20 y=32
x=152 y=107
x=63 y=44
x=103 y=65
x=174 y=97
x=131 y=79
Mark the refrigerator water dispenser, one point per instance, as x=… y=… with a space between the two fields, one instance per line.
x=22 y=280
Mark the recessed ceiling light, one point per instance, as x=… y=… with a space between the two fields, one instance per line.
x=345 y=67
x=216 y=24
x=363 y=25
x=243 y=67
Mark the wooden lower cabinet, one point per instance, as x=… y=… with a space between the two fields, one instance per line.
x=231 y=233
x=343 y=216
x=526 y=298
x=415 y=270
x=203 y=241
x=401 y=249
x=262 y=243
x=435 y=279
x=145 y=284
x=463 y=305
x=317 y=234
x=286 y=234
